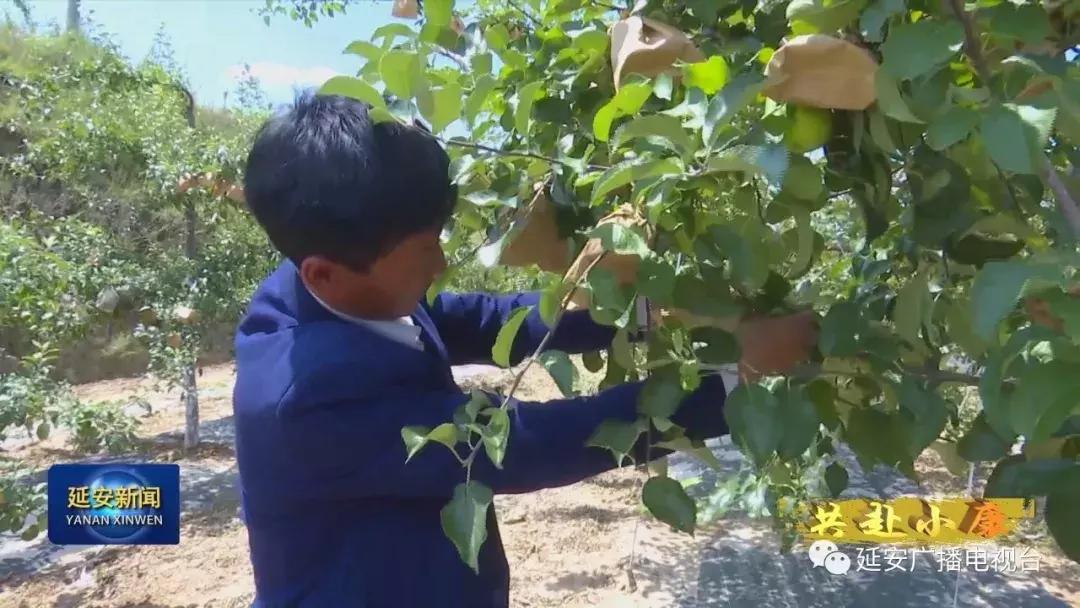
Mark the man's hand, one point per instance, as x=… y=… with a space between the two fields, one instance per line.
x=775 y=345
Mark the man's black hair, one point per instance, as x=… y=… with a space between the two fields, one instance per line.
x=324 y=179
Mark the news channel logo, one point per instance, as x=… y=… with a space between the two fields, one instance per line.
x=114 y=504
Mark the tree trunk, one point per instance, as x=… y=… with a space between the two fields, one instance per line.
x=191 y=249
x=73 y=15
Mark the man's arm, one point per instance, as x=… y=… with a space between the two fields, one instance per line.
x=355 y=450
x=469 y=324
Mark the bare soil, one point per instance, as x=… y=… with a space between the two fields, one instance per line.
x=568 y=547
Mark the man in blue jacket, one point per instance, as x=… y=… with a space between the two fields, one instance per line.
x=339 y=350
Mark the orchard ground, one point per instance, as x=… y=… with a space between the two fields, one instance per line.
x=568 y=547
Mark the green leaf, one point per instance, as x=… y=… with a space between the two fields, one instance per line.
x=365 y=49
x=952 y=460
x=402 y=73
x=998 y=287
x=710 y=75
x=875 y=16
x=753 y=414
x=1068 y=309
x=692 y=109
x=803 y=180
x=841 y=330
x=1061 y=509
x=496 y=434
x=805 y=244
x=958 y=320
x=474 y=103
x=30 y=533
x=732 y=98
x=769 y=160
x=626 y=102
x=800 y=426
x=562 y=370
x=721 y=347
x=593 y=361
x=354 y=88
x=1038 y=123
x=392 y=31
x=823 y=15
x=620 y=239
x=912 y=307
x=666 y=499
x=747 y=253
x=976 y=249
x=611 y=302
x=464 y=520
x=995 y=402
x=926 y=413
x=662 y=393
x=1027 y=23
x=504 y=342
x=879 y=132
x=446 y=434
x=709 y=298
x=1015 y=477
x=658 y=128
x=625 y=173
x=551 y=300
x=981 y=443
x=1046 y=395
x=1003 y=133
x=914 y=49
x=523 y=112
x=890 y=101
x=438 y=12
x=951 y=127
x=877 y=437
x=442 y=106
x=656 y=280
x=618 y=436
x=415 y=438
x=478 y=401
x=662 y=86
x=836 y=478
x=481 y=65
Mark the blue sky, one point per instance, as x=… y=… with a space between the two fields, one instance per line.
x=212 y=39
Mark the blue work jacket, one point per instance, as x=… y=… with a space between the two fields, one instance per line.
x=335 y=516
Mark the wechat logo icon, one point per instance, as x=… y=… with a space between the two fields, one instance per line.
x=826 y=554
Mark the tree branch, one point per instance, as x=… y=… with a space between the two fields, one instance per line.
x=1065 y=201
x=534 y=357
x=814 y=370
x=473 y=146
x=458 y=59
x=971 y=40
x=536 y=22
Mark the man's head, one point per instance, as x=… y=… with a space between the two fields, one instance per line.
x=357 y=206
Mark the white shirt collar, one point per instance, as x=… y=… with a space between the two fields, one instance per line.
x=402 y=330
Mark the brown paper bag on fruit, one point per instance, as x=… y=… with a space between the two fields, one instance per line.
x=823 y=72
x=1038 y=310
x=623 y=266
x=405 y=9
x=649 y=47
x=538 y=241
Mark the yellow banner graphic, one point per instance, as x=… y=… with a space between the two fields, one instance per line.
x=915 y=520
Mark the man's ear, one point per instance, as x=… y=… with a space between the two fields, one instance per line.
x=319 y=273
